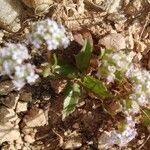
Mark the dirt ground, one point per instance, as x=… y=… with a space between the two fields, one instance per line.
x=81 y=130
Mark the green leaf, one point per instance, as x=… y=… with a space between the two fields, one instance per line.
x=72 y=95
x=103 y=51
x=146 y=116
x=65 y=69
x=83 y=57
x=46 y=70
x=96 y=86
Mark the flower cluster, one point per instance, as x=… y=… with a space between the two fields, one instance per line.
x=12 y=58
x=116 y=137
x=141 y=85
x=49 y=32
x=115 y=64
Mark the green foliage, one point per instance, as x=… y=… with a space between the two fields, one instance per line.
x=96 y=86
x=65 y=69
x=103 y=51
x=83 y=57
x=46 y=71
x=146 y=116
x=72 y=96
x=121 y=126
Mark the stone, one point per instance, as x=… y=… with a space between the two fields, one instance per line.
x=21 y=107
x=72 y=141
x=26 y=96
x=6 y=87
x=11 y=100
x=110 y=6
x=104 y=142
x=29 y=139
x=114 y=41
x=27 y=130
x=9 y=129
x=18 y=146
x=140 y=46
x=10 y=16
x=7 y=115
x=35 y=118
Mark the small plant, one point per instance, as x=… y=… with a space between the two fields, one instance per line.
x=115 y=68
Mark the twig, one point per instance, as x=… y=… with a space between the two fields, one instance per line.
x=144 y=143
x=146 y=22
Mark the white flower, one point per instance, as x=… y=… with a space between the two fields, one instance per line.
x=12 y=63
x=48 y=32
x=7 y=67
x=110 y=78
x=18 y=83
x=24 y=73
x=112 y=69
x=142 y=100
x=116 y=63
x=134 y=109
x=31 y=77
x=114 y=137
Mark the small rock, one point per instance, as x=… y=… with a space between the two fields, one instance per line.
x=140 y=46
x=9 y=132
x=11 y=100
x=21 y=107
x=72 y=144
x=25 y=148
x=76 y=126
x=6 y=87
x=10 y=16
x=19 y=141
x=134 y=7
x=104 y=142
x=110 y=6
x=130 y=40
x=26 y=96
x=18 y=146
x=9 y=147
x=35 y=118
x=117 y=18
x=114 y=108
x=137 y=57
x=113 y=41
x=72 y=141
x=58 y=85
x=29 y=139
x=7 y=115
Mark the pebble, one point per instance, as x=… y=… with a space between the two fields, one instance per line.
x=21 y=107
x=29 y=139
x=7 y=115
x=114 y=41
x=6 y=87
x=26 y=96
x=9 y=132
x=11 y=100
x=35 y=118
